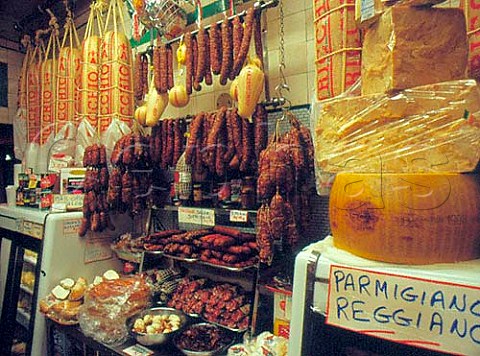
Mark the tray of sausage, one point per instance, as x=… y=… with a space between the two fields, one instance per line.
x=224 y=304
x=219 y=246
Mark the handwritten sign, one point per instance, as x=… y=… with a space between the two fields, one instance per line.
x=72 y=201
x=418 y=312
x=70 y=227
x=97 y=250
x=198 y=216
x=238 y=216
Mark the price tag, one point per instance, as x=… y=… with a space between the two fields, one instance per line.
x=238 y=216
x=137 y=350
x=70 y=227
x=33 y=229
x=205 y=217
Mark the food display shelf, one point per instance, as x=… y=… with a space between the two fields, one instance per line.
x=26 y=289
x=23 y=317
x=228 y=268
x=30 y=260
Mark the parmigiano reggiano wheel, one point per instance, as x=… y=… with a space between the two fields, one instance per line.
x=407 y=218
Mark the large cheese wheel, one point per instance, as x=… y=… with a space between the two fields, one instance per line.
x=407 y=218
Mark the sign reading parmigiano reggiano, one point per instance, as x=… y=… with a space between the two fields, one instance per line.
x=419 y=312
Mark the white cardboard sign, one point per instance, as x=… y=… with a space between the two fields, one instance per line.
x=424 y=313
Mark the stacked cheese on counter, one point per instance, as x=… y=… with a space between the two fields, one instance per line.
x=413 y=46
x=401 y=148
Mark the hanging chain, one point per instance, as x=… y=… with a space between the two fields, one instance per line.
x=281 y=67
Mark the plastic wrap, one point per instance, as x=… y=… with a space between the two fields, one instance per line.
x=86 y=136
x=434 y=128
x=20 y=134
x=107 y=306
x=264 y=344
x=413 y=46
x=115 y=131
x=62 y=151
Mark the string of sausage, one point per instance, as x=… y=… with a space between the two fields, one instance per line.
x=201 y=54
x=170 y=81
x=237 y=41
x=215 y=49
x=257 y=35
x=247 y=35
x=188 y=62
x=227 y=51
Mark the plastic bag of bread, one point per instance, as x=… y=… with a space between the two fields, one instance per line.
x=107 y=306
x=64 y=301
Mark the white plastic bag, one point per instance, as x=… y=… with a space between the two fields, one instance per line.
x=86 y=136
x=115 y=131
x=20 y=134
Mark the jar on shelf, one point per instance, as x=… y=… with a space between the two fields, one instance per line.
x=248 y=194
x=182 y=178
x=197 y=194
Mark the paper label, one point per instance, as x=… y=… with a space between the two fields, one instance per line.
x=137 y=350
x=367 y=9
x=238 y=216
x=205 y=217
x=32 y=229
x=70 y=227
x=430 y=314
x=97 y=250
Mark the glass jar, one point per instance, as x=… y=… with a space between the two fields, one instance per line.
x=248 y=194
x=197 y=194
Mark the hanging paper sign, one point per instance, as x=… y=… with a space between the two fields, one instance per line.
x=424 y=313
x=205 y=217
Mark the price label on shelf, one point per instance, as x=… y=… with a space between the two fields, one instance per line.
x=205 y=217
x=238 y=216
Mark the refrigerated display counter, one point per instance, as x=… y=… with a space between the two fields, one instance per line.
x=38 y=249
x=345 y=303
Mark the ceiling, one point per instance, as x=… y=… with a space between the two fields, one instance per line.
x=18 y=17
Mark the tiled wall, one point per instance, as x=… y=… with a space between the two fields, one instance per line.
x=299 y=59
x=14 y=60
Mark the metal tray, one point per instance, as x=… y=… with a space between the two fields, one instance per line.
x=229 y=268
x=183 y=259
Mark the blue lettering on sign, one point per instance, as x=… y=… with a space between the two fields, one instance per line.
x=399 y=319
x=342 y=304
x=339 y=277
x=453 y=303
x=438 y=297
x=363 y=283
x=381 y=288
x=474 y=307
x=475 y=334
x=356 y=312
x=436 y=321
x=455 y=329
x=408 y=297
x=379 y=317
x=349 y=282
